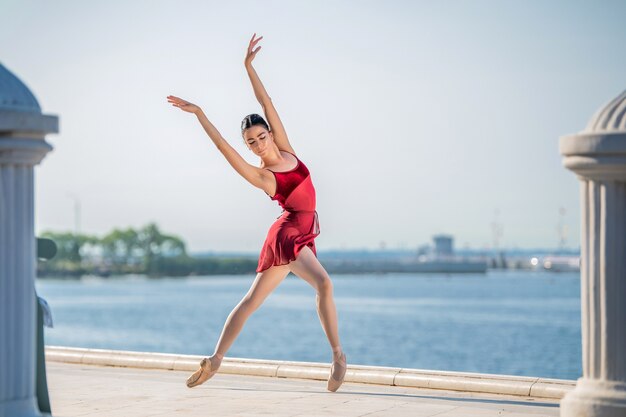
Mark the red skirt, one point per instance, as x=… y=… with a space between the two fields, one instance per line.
x=291 y=232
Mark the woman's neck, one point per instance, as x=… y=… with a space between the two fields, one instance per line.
x=272 y=157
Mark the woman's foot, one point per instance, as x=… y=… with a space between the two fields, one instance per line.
x=208 y=368
x=337 y=372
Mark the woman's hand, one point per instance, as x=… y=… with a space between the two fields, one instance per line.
x=252 y=50
x=183 y=104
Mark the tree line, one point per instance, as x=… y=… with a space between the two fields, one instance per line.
x=145 y=251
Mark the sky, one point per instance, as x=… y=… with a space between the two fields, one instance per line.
x=414 y=117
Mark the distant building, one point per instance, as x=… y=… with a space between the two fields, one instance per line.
x=443 y=245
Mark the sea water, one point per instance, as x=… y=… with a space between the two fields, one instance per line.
x=502 y=322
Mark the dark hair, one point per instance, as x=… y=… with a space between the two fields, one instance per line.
x=253 y=120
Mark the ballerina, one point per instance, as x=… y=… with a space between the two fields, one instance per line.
x=290 y=242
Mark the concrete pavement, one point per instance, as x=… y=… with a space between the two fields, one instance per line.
x=96 y=390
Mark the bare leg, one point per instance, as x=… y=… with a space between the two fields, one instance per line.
x=263 y=285
x=309 y=269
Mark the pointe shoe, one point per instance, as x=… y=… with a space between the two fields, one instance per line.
x=337 y=375
x=201 y=375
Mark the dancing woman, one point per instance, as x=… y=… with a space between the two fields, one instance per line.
x=289 y=246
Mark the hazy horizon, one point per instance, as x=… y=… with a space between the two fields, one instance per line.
x=414 y=118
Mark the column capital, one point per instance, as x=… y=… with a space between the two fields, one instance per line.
x=599 y=151
x=595 y=155
x=27 y=151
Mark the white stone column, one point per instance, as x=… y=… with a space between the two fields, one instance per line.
x=598 y=157
x=17 y=275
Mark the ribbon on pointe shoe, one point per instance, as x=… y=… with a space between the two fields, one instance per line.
x=336 y=378
x=205 y=372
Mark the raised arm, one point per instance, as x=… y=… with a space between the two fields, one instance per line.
x=276 y=126
x=258 y=177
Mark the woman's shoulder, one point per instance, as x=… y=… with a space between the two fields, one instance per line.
x=287 y=155
x=290 y=152
x=286 y=147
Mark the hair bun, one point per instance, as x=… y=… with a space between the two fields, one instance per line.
x=252 y=120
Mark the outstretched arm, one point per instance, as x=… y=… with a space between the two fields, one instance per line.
x=278 y=130
x=260 y=178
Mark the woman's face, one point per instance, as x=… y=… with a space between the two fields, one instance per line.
x=258 y=139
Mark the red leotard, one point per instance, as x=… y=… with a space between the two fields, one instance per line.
x=298 y=226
